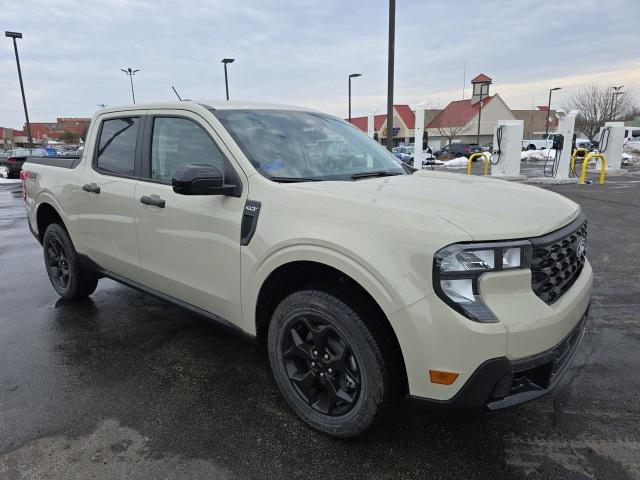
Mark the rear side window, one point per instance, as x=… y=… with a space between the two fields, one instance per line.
x=117 y=145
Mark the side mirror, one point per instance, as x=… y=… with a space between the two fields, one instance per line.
x=201 y=179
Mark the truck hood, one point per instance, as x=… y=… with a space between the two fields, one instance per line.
x=484 y=208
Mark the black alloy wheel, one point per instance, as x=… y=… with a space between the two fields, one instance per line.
x=57 y=262
x=62 y=265
x=321 y=365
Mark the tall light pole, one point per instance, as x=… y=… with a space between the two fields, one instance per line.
x=546 y=127
x=353 y=75
x=15 y=35
x=226 y=79
x=392 y=42
x=616 y=91
x=131 y=72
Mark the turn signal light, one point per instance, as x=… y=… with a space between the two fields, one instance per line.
x=442 y=378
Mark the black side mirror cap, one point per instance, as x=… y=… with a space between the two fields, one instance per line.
x=202 y=179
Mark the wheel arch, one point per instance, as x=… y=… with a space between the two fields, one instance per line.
x=46 y=214
x=297 y=274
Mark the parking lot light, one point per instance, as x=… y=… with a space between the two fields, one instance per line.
x=226 y=79
x=546 y=129
x=131 y=72
x=14 y=36
x=390 y=62
x=616 y=91
x=353 y=75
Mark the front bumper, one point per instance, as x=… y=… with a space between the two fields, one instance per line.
x=501 y=383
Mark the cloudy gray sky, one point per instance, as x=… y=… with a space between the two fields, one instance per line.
x=301 y=51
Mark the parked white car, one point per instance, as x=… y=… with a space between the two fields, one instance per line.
x=546 y=142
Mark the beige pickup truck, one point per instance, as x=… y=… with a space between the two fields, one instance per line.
x=367 y=281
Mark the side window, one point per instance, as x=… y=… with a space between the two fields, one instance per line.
x=117 y=145
x=177 y=142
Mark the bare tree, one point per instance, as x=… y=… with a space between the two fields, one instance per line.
x=451 y=126
x=598 y=105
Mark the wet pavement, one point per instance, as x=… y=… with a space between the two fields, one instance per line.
x=124 y=385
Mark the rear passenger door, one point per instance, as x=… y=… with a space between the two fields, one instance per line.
x=189 y=244
x=105 y=206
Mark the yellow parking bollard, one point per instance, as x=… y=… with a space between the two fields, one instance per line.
x=573 y=158
x=475 y=155
x=589 y=156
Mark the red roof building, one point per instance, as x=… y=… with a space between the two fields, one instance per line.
x=404 y=123
x=458 y=113
x=482 y=78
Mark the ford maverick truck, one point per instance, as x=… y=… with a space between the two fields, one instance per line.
x=367 y=281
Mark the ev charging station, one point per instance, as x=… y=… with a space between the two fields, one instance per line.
x=611 y=145
x=507 y=145
x=561 y=162
x=418 y=152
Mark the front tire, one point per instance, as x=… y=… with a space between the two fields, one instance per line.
x=63 y=266
x=328 y=363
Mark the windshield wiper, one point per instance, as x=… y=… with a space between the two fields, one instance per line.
x=375 y=173
x=294 y=179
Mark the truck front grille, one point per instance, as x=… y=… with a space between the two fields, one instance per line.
x=557 y=260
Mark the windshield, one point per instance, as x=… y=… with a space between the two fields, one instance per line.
x=291 y=145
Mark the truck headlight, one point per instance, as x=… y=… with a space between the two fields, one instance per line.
x=458 y=268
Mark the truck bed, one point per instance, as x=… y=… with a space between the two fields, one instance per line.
x=66 y=161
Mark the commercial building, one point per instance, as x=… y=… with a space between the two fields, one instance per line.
x=458 y=121
x=11 y=138
x=45 y=131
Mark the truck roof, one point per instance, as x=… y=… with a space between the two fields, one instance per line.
x=213 y=104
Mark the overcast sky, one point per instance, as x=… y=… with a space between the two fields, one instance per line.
x=301 y=51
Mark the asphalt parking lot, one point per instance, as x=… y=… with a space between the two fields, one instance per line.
x=126 y=386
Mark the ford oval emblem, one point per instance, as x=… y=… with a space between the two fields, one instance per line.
x=581 y=248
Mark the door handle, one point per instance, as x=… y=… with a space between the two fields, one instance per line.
x=91 y=188
x=155 y=201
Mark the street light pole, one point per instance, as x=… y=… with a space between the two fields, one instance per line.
x=226 y=79
x=392 y=35
x=14 y=35
x=616 y=91
x=546 y=128
x=353 y=75
x=129 y=71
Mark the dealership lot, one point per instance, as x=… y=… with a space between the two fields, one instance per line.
x=127 y=385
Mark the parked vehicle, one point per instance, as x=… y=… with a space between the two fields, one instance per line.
x=455 y=150
x=365 y=281
x=404 y=153
x=631 y=134
x=17 y=158
x=546 y=142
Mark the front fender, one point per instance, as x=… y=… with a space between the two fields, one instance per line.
x=379 y=286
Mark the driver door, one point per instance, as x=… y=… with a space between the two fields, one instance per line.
x=189 y=244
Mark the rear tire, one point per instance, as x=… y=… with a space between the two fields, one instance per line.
x=329 y=363
x=63 y=266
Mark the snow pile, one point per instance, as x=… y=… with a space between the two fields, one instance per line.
x=632 y=148
x=537 y=155
x=631 y=155
x=4 y=179
x=460 y=162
